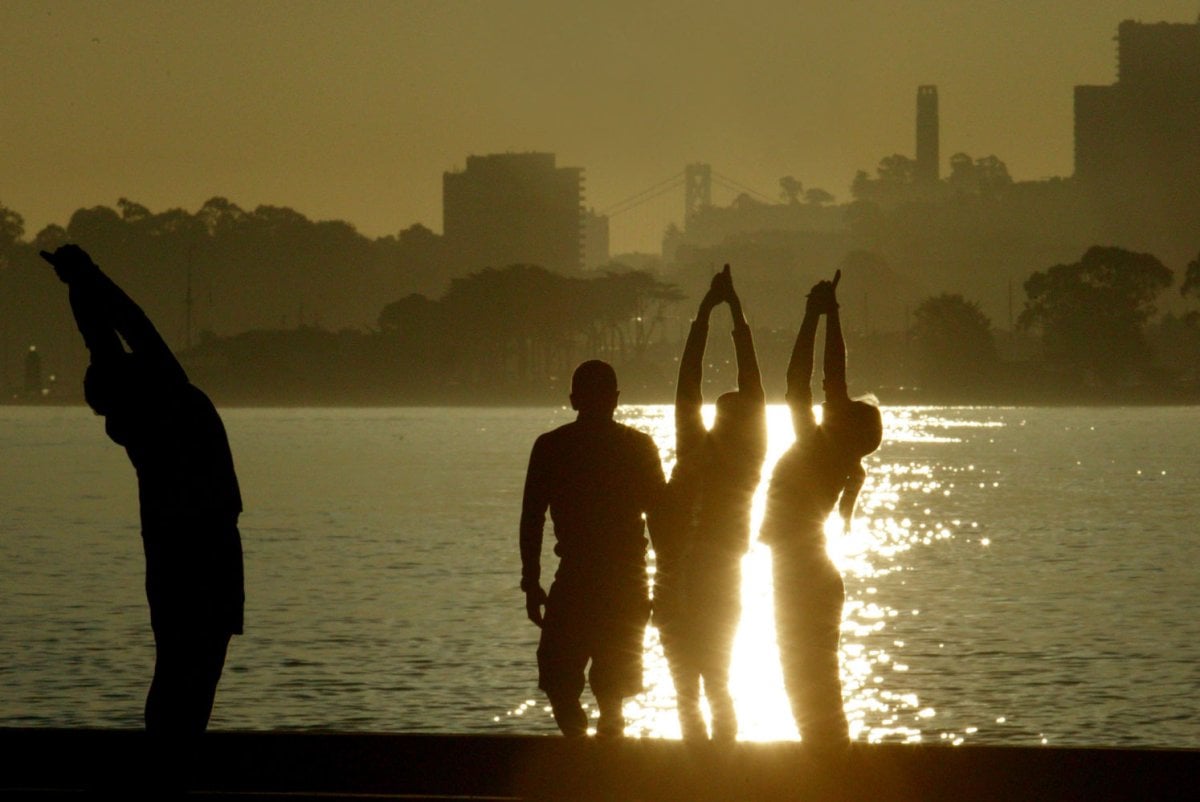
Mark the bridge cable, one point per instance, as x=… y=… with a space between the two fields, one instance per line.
x=637 y=196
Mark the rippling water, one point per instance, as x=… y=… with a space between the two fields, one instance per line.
x=1014 y=576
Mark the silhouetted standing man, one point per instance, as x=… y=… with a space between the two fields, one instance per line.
x=702 y=530
x=820 y=471
x=187 y=490
x=597 y=478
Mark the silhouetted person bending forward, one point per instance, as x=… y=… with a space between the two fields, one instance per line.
x=702 y=530
x=187 y=491
x=821 y=470
x=597 y=478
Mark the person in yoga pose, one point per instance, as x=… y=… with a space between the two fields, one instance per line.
x=822 y=470
x=703 y=529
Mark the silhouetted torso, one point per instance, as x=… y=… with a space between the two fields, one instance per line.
x=190 y=502
x=597 y=477
x=804 y=489
x=716 y=483
x=714 y=479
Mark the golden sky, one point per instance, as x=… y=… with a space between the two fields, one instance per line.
x=352 y=110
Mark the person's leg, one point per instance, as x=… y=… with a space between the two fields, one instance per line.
x=716 y=688
x=616 y=652
x=672 y=618
x=788 y=632
x=612 y=715
x=561 y=658
x=825 y=724
x=568 y=713
x=687 y=700
x=187 y=668
x=808 y=608
x=718 y=610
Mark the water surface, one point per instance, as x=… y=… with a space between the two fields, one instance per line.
x=1015 y=576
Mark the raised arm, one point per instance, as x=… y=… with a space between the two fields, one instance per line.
x=835 y=350
x=749 y=377
x=76 y=269
x=800 y=367
x=689 y=398
x=136 y=329
x=99 y=336
x=103 y=311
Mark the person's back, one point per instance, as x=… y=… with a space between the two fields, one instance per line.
x=592 y=474
x=597 y=478
x=190 y=501
x=729 y=472
x=805 y=486
x=181 y=453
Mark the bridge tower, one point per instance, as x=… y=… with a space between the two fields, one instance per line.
x=697 y=190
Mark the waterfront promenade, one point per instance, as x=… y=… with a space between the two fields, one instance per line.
x=93 y=764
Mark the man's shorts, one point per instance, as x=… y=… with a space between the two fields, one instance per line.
x=600 y=621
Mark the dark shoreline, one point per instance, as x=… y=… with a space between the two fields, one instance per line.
x=1083 y=401
x=92 y=764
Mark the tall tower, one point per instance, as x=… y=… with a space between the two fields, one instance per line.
x=927 y=134
x=697 y=190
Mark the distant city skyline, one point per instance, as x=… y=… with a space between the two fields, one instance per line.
x=354 y=111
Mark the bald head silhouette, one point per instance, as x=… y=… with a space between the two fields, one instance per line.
x=594 y=389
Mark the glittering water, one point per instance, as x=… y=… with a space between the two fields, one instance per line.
x=1014 y=576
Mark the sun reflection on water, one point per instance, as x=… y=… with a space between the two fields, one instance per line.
x=878 y=706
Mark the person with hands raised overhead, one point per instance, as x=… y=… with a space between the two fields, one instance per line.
x=821 y=471
x=188 y=494
x=702 y=530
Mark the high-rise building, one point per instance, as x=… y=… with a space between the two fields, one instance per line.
x=514 y=208
x=595 y=239
x=928 y=169
x=1137 y=146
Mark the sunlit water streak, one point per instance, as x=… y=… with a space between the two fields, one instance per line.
x=865 y=553
x=1013 y=576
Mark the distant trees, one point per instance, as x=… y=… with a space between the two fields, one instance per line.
x=894 y=175
x=896 y=182
x=1191 y=283
x=983 y=176
x=220 y=270
x=955 y=348
x=817 y=196
x=12 y=228
x=1092 y=313
x=267 y=267
x=524 y=326
x=789 y=189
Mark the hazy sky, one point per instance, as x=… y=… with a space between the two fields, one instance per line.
x=353 y=110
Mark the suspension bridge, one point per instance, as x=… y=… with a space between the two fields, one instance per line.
x=696 y=181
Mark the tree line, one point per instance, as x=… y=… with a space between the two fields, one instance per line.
x=317 y=324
